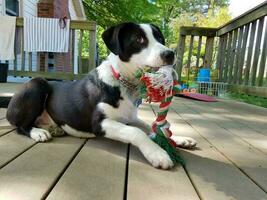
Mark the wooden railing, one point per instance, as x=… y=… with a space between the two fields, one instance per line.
x=71 y=65
x=240 y=53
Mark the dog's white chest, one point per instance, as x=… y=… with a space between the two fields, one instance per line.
x=125 y=113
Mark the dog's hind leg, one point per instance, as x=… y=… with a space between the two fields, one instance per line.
x=25 y=107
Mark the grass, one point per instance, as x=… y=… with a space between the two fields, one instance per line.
x=258 y=101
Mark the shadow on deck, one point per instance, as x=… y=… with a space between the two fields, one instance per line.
x=229 y=163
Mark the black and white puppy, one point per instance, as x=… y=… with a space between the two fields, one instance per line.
x=104 y=103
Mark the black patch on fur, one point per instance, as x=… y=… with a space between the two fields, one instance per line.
x=125 y=40
x=68 y=103
x=157 y=34
x=74 y=103
x=26 y=105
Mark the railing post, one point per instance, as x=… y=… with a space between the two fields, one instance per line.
x=243 y=52
x=257 y=52
x=263 y=59
x=180 y=55
x=238 y=55
x=80 y=70
x=250 y=48
x=92 y=50
x=221 y=56
x=232 y=56
x=228 y=53
x=208 y=52
x=198 y=50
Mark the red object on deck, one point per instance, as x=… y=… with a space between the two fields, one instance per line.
x=197 y=96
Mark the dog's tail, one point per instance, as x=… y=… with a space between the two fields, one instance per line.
x=29 y=103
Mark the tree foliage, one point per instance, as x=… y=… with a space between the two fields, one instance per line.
x=167 y=14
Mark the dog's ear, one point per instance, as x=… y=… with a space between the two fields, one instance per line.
x=111 y=37
x=155 y=27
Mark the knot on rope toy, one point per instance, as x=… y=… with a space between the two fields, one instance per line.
x=160 y=86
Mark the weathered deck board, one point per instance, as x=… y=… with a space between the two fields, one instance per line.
x=252 y=161
x=12 y=145
x=250 y=116
x=5 y=127
x=146 y=182
x=231 y=139
x=8 y=89
x=2 y=113
x=4 y=130
x=31 y=175
x=98 y=172
x=217 y=116
x=212 y=174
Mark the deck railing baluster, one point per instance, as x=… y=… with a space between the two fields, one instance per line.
x=256 y=52
x=263 y=63
x=26 y=62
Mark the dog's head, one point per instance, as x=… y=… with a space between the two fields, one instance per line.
x=139 y=45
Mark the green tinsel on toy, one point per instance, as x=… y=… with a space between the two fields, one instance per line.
x=160 y=86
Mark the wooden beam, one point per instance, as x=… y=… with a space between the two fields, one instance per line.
x=250 y=49
x=199 y=50
x=247 y=17
x=74 y=24
x=257 y=52
x=263 y=59
x=238 y=54
x=190 y=52
x=208 y=52
x=198 y=31
x=243 y=52
x=221 y=56
x=80 y=52
x=232 y=56
x=53 y=75
x=180 y=55
x=250 y=90
x=92 y=50
x=228 y=53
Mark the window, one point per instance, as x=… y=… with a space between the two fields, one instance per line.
x=12 y=7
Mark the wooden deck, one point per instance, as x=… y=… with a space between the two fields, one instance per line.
x=229 y=163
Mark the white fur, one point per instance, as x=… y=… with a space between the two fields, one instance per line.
x=125 y=113
x=115 y=125
x=184 y=142
x=73 y=132
x=129 y=134
x=40 y=135
x=121 y=123
x=151 y=55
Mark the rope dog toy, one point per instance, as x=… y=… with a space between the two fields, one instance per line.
x=160 y=86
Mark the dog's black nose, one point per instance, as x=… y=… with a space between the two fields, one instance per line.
x=167 y=57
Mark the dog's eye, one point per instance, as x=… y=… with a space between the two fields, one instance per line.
x=140 y=40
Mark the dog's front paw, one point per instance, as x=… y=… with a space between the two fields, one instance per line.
x=159 y=159
x=184 y=142
x=40 y=135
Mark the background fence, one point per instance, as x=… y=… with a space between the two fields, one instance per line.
x=237 y=50
x=74 y=64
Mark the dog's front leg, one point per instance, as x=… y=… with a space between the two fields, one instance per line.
x=142 y=125
x=129 y=134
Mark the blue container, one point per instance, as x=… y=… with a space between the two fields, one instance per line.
x=203 y=75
